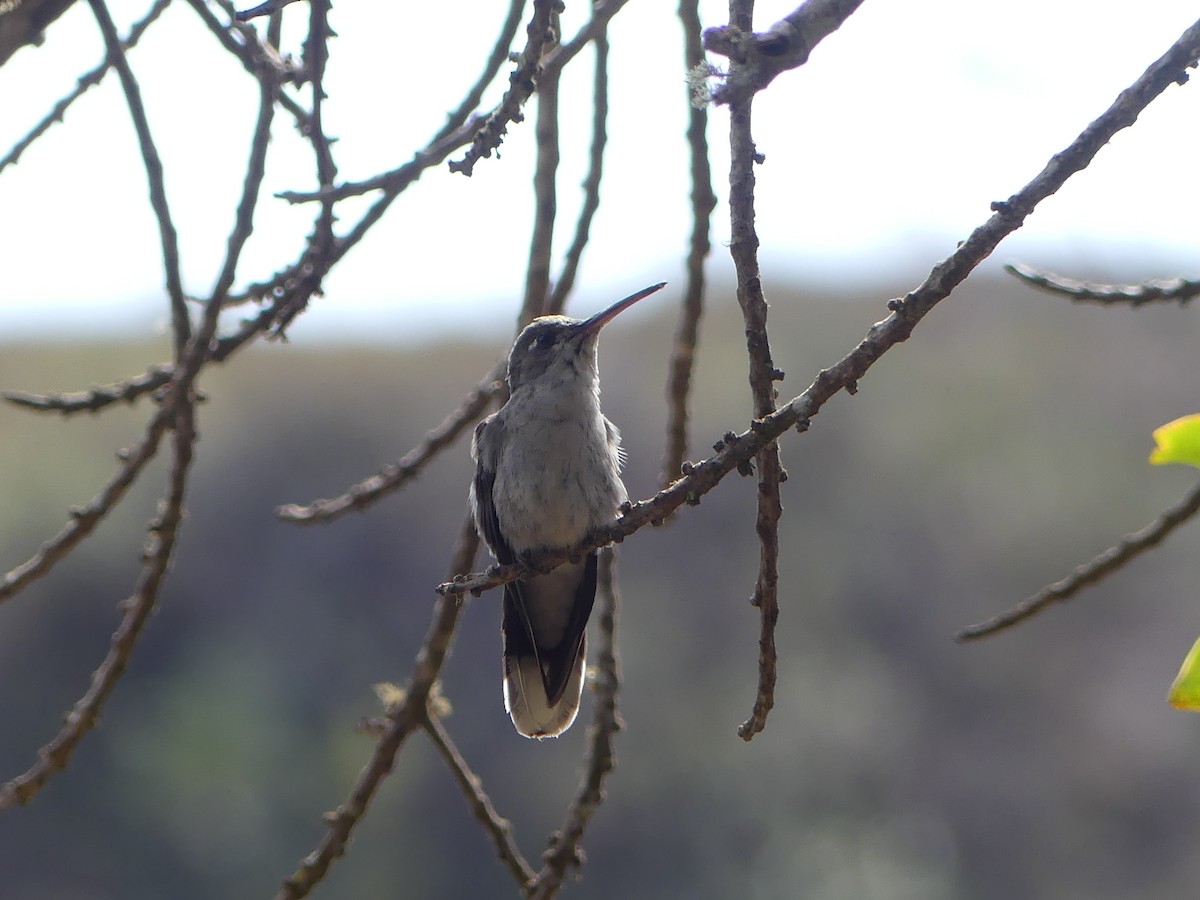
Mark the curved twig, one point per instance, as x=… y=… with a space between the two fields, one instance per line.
x=86 y=81
x=1096 y=569
x=395 y=476
x=401 y=722
x=1164 y=290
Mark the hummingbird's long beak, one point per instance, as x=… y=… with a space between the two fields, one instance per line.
x=599 y=320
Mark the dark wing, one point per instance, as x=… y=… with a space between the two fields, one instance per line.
x=559 y=663
x=485 y=446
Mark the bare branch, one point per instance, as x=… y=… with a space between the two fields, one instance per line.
x=758 y=58
x=735 y=450
x=591 y=182
x=401 y=722
x=499 y=828
x=704 y=201
x=257 y=58
x=1157 y=290
x=743 y=248
x=86 y=81
x=1093 y=571
x=136 y=610
x=545 y=196
x=495 y=60
x=395 y=476
x=154 y=174
x=539 y=35
x=84 y=519
x=96 y=399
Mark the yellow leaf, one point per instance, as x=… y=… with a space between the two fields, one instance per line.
x=1185 y=692
x=1178 y=442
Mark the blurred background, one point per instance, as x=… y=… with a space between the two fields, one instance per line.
x=1000 y=447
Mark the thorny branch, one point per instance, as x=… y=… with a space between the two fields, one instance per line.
x=540 y=34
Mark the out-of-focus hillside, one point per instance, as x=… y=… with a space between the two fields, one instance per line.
x=1001 y=446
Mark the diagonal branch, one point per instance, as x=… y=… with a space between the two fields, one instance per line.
x=86 y=81
x=395 y=476
x=401 y=721
x=136 y=610
x=521 y=83
x=1093 y=571
x=497 y=826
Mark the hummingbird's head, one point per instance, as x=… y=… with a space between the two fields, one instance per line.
x=559 y=347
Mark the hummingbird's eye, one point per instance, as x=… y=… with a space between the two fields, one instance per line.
x=544 y=340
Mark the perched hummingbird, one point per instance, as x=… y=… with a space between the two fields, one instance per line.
x=547 y=474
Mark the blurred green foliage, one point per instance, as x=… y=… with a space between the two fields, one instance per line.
x=1003 y=444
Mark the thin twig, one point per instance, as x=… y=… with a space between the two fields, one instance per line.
x=257 y=58
x=99 y=397
x=391 y=478
x=733 y=451
x=498 y=827
x=136 y=610
x=591 y=182
x=495 y=60
x=743 y=248
x=602 y=13
x=522 y=81
x=394 y=179
x=251 y=189
x=401 y=722
x=86 y=81
x=1093 y=571
x=1158 y=290
x=704 y=201
x=545 y=196
x=564 y=854
x=180 y=326
x=84 y=519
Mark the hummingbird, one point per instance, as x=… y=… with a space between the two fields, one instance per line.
x=547 y=474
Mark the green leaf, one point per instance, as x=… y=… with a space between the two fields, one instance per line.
x=1178 y=442
x=1185 y=691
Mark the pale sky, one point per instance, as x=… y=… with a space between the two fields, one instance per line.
x=882 y=152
